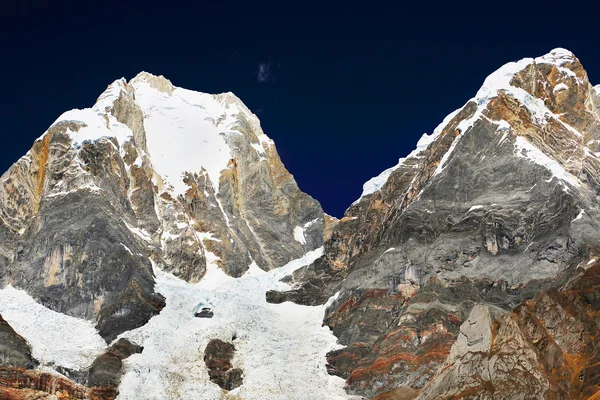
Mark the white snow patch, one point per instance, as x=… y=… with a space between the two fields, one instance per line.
x=280 y=347
x=557 y=56
x=500 y=79
x=559 y=87
x=579 y=216
x=528 y=246
x=526 y=150
x=107 y=98
x=260 y=150
x=569 y=127
x=503 y=126
x=186 y=132
x=254 y=270
x=593 y=260
x=91 y=187
x=376 y=183
x=476 y=207
x=299 y=235
x=140 y=232
x=97 y=126
x=56 y=339
x=311 y=223
x=127 y=248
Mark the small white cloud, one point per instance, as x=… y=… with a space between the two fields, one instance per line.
x=264 y=72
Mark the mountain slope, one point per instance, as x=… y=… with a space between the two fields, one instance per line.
x=498 y=204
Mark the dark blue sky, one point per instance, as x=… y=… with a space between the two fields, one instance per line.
x=344 y=91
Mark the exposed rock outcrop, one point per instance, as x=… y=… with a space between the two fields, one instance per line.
x=218 y=357
x=14 y=350
x=106 y=370
x=19 y=384
x=545 y=348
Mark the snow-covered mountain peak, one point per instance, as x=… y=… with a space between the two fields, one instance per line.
x=184 y=130
x=157 y=82
x=501 y=79
x=558 y=56
x=539 y=85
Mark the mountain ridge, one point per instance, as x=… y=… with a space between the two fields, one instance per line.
x=501 y=205
x=498 y=206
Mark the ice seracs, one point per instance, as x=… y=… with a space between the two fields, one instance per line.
x=280 y=347
x=56 y=339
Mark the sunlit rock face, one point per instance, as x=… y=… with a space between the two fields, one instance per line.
x=496 y=206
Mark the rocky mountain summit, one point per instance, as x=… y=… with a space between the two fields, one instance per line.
x=467 y=271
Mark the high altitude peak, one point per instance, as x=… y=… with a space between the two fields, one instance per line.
x=159 y=82
x=553 y=92
x=557 y=56
x=503 y=77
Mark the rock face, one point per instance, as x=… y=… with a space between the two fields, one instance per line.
x=545 y=348
x=19 y=384
x=14 y=350
x=218 y=357
x=497 y=205
x=106 y=370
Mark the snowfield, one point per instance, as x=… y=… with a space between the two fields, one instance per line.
x=281 y=348
x=56 y=339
